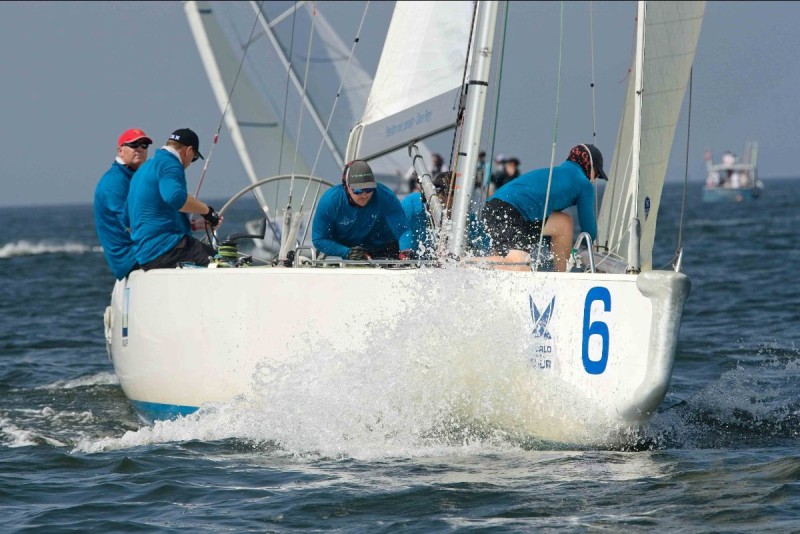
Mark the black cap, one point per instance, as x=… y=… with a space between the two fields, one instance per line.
x=358 y=175
x=187 y=137
x=597 y=162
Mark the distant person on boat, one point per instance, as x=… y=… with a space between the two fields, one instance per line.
x=498 y=174
x=158 y=205
x=515 y=215
x=359 y=219
x=726 y=173
x=109 y=202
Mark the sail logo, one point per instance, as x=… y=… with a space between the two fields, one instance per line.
x=646 y=207
x=543 y=340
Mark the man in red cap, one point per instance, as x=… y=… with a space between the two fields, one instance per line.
x=109 y=202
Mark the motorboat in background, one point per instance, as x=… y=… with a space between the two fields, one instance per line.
x=733 y=179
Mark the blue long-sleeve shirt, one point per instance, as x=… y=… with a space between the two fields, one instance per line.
x=338 y=226
x=158 y=191
x=416 y=219
x=569 y=187
x=109 y=219
x=419 y=233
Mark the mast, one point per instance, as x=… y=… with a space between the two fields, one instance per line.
x=634 y=263
x=473 y=121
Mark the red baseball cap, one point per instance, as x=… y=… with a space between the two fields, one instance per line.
x=129 y=136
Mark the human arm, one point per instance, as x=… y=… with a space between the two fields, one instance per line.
x=585 y=207
x=324 y=223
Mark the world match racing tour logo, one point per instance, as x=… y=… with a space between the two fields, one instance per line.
x=543 y=341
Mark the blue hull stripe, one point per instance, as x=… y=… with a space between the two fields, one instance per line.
x=154 y=411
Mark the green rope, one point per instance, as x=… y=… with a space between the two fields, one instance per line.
x=555 y=137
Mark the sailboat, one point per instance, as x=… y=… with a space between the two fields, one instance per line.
x=582 y=357
x=731 y=179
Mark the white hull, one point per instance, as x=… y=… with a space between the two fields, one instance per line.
x=196 y=336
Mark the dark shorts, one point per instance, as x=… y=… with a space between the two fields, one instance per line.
x=508 y=229
x=188 y=250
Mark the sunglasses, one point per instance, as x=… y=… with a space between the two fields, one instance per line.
x=137 y=144
x=362 y=191
x=196 y=157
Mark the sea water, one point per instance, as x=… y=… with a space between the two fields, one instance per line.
x=327 y=448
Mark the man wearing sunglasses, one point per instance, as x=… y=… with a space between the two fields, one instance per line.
x=109 y=202
x=359 y=219
x=159 y=204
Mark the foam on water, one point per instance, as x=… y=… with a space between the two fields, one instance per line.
x=747 y=402
x=29 y=248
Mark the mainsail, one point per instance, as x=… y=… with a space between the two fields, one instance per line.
x=670 y=34
x=417 y=86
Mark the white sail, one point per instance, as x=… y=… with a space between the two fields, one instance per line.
x=671 y=31
x=418 y=82
x=284 y=101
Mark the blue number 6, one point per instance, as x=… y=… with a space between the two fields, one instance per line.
x=598 y=328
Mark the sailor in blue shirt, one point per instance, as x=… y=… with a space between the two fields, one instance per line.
x=109 y=202
x=419 y=238
x=359 y=218
x=513 y=215
x=158 y=205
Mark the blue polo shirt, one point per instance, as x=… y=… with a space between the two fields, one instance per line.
x=158 y=191
x=109 y=219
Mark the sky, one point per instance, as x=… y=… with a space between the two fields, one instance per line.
x=76 y=74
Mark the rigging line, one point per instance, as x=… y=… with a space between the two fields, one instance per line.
x=616 y=210
x=302 y=99
x=487 y=170
x=594 y=109
x=356 y=41
x=458 y=133
x=555 y=138
x=286 y=93
x=227 y=105
x=686 y=166
x=294 y=10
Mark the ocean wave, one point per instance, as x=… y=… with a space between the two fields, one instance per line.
x=29 y=248
x=99 y=379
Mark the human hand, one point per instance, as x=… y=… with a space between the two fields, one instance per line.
x=358 y=253
x=407 y=254
x=212 y=218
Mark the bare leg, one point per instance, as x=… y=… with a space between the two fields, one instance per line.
x=559 y=229
x=514 y=256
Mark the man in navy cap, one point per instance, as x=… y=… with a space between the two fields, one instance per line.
x=159 y=204
x=109 y=202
